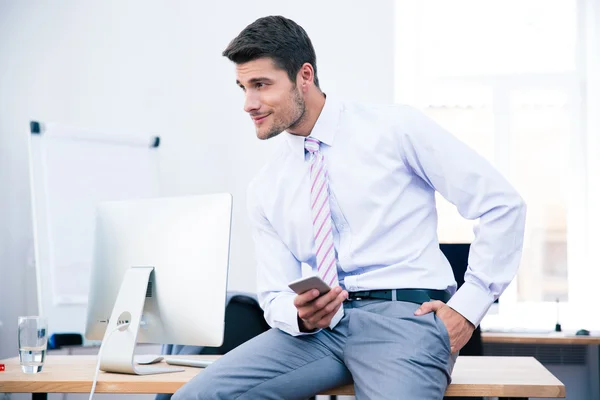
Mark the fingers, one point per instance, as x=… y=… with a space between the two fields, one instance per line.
x=307 y=305
x=319 y=312
x=429 y=306
x=302 y=299
x=326 y=320
x=328 y=298
x=329 y=309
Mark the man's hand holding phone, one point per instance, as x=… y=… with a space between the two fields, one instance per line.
x=316 y=311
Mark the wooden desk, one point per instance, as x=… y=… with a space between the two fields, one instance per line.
x=538 y=338
x=516 y=377
x=553 y=338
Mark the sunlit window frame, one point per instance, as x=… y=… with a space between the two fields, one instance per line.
x=512 y=313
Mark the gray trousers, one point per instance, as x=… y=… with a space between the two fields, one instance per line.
x=380 y=345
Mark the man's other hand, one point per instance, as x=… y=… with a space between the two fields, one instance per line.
x=459 y=328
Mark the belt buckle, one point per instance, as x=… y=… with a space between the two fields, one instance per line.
x=364 y=294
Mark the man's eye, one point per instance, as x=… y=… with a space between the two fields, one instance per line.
x=259 y=85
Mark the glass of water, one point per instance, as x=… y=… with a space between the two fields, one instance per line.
x=33 y=341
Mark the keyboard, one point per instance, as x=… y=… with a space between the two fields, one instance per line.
x=188 y=362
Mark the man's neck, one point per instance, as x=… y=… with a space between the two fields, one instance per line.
x=314 y=105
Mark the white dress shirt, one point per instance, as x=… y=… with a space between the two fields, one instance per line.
x=385 y=164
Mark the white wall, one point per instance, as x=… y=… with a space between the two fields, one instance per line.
x=155 y=67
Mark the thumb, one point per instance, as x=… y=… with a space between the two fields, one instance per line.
x=428 y=307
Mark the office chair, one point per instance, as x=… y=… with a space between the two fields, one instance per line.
x=457 y=255
x=244 y=319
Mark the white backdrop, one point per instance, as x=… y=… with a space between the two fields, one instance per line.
x=156 y=67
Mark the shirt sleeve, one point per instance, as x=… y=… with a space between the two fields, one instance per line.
x=276 y=268
x=478 y=191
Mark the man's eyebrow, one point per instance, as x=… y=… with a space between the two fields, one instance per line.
x=255 y=80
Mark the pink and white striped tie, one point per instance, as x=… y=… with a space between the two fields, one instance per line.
x=321 y=214
x=321 y=219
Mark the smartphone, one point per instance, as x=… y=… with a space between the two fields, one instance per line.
x=307 y=283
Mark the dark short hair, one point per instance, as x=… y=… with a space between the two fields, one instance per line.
x=278 y=38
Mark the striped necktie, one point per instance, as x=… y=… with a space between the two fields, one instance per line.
x=321 y=214
x=321 y=220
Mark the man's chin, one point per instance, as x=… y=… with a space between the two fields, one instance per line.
x=266 y=135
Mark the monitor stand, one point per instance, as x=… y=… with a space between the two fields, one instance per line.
x=121 y=333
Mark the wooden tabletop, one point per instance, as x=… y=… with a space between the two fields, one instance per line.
x=473 y=376
x=538 y=338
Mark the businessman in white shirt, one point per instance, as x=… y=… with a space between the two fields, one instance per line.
x=350 y=192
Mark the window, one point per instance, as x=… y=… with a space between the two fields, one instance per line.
x=503 y=77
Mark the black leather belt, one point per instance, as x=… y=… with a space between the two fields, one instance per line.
x=418 y=296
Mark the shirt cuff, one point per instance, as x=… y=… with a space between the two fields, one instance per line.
x=472 y=302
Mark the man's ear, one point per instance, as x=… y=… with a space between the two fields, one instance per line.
x=306 y=75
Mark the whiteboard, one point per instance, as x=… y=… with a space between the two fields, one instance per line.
x=71 y=171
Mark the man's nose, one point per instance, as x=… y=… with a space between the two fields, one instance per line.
x=251 y=103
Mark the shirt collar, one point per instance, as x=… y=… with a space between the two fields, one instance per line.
x=324 y=130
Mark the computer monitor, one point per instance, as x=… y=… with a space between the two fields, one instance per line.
x=159 y=276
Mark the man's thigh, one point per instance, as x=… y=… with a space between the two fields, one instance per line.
x=274 y=365
x=394 y=354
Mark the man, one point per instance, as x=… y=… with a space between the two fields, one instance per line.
x=351 y=193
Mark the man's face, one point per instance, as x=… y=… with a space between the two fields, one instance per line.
x=274 y=102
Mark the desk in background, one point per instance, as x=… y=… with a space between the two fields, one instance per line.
x=538 y=338
x=567 y=344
